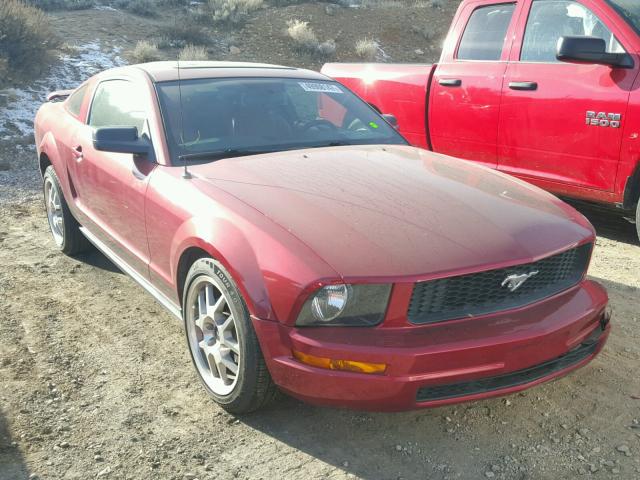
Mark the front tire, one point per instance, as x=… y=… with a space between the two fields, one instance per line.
x=222 y=342
x=64 y=227
x=638 y=220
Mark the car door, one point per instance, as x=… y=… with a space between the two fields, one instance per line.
x=467 y=84
x=547 y=132
x=111 y=186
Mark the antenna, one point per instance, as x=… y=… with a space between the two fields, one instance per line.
x=185 y=174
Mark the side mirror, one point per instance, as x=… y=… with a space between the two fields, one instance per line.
x=391 y=119
x=590 y=50
x=121 y=140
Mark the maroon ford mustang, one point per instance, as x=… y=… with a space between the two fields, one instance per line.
x=306 y=246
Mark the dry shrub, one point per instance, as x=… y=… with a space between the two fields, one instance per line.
x=303 y=35
x=25 y=36
x=193 y=53
x=305 y=39
x=425 y=31
x=144 y=52
x=367 y=48
x=327 y=49
x=183 y=33
x=62 y=4
x=233 y=11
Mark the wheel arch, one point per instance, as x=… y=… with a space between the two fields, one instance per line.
x=187 y=258
x=43 y=162
x=632 y=189
x=231 y=249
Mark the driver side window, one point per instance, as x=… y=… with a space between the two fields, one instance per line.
x=551 y=19
x=118 y=103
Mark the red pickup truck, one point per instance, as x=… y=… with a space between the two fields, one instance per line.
x=546 y=90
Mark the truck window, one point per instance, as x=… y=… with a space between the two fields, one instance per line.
x=551 y=19
x=485 y=33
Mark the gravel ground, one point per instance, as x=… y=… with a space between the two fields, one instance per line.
x=96 y=381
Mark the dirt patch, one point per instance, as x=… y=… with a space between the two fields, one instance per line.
x=96 y=381
x=95 y=377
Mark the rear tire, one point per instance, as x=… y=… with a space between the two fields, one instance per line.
x=222 y=342
x=64 y=227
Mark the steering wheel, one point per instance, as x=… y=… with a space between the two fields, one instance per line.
x=320 y=122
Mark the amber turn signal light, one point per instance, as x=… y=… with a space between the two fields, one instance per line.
x=346 y=365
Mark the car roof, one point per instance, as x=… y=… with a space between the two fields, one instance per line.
x=169 y=71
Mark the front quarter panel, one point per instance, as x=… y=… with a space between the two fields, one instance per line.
x=271 y=267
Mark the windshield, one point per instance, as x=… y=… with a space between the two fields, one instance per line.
x=216 y=118
x=630 y=10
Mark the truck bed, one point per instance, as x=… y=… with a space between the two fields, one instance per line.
x=401 y=89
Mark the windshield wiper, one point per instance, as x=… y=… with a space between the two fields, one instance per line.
x=221 y=154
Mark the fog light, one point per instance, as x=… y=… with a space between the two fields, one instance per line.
x=333 y=364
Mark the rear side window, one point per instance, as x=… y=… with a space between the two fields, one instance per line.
x=74 y=102
x=551 y=19
x=484 y=36
x=118 y=103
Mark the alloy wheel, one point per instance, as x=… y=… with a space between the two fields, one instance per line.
x=54 y=211
x=212 y=335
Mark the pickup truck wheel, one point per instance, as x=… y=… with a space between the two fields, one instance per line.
x=64 y=227
x=223 y=345
x=638 y=220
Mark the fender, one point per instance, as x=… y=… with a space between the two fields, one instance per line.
x=49 y=147
x=232 y=250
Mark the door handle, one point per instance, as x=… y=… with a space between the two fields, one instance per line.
x=77 y=152
x=450 y=82
x=523 y=85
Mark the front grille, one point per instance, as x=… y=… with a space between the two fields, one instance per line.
x=513 y=379
x=483 y=293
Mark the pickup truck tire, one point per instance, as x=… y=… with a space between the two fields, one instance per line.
x=64 y=227
x=638 y=219
x=222 y=342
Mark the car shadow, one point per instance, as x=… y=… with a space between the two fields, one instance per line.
x=608 y=223
x=12 y=463
x=96 y=258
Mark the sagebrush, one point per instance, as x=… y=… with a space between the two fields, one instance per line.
x=138 y=7
x=144 y=52
x=193 y=53
x=182 y=33
x=367 y=48
x=61 y=4
x=302 y=35
x=305 y=39
x=233 y=11
x=26 y=39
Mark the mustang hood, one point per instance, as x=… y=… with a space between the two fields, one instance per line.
x=396 y=211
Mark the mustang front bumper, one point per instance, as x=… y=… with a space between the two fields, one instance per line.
x=444 y=363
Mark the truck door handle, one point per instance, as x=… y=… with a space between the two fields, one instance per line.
x=450 y=82
x=523 y=85
x=77 y=152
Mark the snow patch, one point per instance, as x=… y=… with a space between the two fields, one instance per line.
x=18 y=106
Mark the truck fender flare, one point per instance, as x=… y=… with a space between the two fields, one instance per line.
x=632 y=189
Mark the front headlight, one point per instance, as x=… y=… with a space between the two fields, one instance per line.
x=345 y=305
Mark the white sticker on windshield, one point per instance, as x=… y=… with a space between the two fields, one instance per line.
x=320 y=87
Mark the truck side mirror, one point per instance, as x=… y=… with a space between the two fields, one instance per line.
x=590 y=50
x=121 y=140
x=391 y=119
